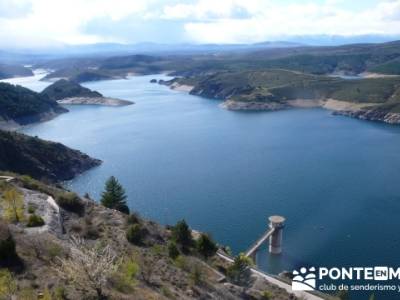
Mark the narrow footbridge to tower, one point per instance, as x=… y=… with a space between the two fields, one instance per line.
x=274 y=234
x=253 y=249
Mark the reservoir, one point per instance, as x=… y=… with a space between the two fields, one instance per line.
x=335 y=179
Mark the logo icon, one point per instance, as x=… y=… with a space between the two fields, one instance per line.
x=305 y=280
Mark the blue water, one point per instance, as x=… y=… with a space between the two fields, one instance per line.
x=334 y=178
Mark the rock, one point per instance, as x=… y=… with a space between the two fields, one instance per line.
x=253 y=106
x=153 y=81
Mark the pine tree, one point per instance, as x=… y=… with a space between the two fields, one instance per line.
x=114 y=196
x=182 y=235
x=206 y=246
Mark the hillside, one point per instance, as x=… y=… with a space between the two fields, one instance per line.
x=70 y=92
x=22 y=106
x=349 y=59
x=41 y=159
x=373 y=98
x=8 y=71
x=81 y=251
x=65 y=89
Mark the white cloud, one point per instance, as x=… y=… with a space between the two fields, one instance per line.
x=219 y=21
x=275 y=21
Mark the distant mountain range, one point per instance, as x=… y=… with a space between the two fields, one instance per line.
x=106 y=49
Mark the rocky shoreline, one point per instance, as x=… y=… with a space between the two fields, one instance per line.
x=253 y=106
x=105 y=101
x=371 y=115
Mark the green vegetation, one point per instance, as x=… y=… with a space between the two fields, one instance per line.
x=114 y=196
x=206 y=246
x=23 y=105
x=125 y=278
x=8 y=254
x=7 y=284
x=133 y=218
x=35 y=221
x=135 y=234
x=13 y=205
x=70 y=201
x=182 y=235
x=65 y=89
x=239 y=272
x=281 y=86
x=173 y=251
x=41 y=159
x=266 y=295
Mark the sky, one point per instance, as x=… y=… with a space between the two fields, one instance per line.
x=44 y=23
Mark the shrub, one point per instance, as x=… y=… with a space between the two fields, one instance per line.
x=239 y=272
x=266 y=295
x=35 y=221
x=70 y=201
x=173 y=251
x=196 y=275
x=182 y=263
x=135 y=234
x=133 y=218
x=8 y=254
x=31 y=209
x=182 y=235
x=7 y=284
x=206 y=246
x=125 y=277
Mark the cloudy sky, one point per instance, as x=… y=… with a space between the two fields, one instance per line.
x=55 y=22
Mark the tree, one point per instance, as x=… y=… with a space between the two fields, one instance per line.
x=182 y=235
x=206 y=246
x=13 y=205
x=239 y=272
x=114 y=196
x=88 y=267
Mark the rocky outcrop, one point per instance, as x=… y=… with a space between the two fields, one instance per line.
x=371 y=115
x=94 y=101
x=253 y=106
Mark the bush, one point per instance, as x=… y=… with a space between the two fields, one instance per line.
x=31 y=209
x=35 y=221
x=239 y=272
x=173 y=251
x=133 y=218
x=8 y=254
x=206 y=246
x=182 y=235
x=135 y=234
x=125 y=278
x=70 y=201
x=266 y=295
x=7 y=284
